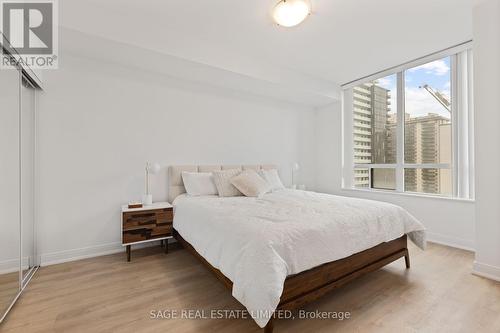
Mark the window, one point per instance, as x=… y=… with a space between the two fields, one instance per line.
x=407 y=130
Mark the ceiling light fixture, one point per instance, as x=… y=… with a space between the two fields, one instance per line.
x=289 y=13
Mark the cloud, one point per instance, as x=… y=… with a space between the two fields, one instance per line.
x=385 y=83
x=438 y=67
x=446 y=90
x=419 y=102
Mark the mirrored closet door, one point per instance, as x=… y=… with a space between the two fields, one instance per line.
x=18 y=256
x=10 y=224
x=27 y=137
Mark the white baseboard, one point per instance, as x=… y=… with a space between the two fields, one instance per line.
x=87 y=252
x=486 y=271
x=9 y=266
x=459 y=243
x=12 y=265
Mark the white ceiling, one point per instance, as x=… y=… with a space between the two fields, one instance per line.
x=341 y=41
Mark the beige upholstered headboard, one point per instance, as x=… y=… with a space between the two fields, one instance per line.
x=176 y=185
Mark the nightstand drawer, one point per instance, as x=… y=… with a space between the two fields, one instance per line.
x=147 y=219
x=147 y=233
x=140 y=217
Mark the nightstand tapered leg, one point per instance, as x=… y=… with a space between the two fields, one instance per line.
x=128 y=252
x=166 y=245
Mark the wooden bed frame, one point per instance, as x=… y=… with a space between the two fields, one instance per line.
x=310 y=285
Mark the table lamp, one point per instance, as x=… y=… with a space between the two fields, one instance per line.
x=151 y=168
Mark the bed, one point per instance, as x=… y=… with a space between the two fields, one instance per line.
x=290 y=247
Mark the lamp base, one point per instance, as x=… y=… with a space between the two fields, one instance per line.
x=147 y=199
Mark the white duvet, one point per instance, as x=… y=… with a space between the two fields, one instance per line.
x=258 y=242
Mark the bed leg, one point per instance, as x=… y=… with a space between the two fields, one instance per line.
x=270 y=326
x=407 y=258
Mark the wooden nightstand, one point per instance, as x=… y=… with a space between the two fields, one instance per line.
x=146 y=224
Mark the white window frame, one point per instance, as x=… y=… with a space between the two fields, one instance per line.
x=461 y=119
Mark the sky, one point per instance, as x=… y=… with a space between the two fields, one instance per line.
x=418 y=102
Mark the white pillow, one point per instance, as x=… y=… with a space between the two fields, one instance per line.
x=272 y=178
x=222 y=181
x=251 y=184
x=199 y=183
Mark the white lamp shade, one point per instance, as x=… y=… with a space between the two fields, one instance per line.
x=296 y=166
x=289 y=13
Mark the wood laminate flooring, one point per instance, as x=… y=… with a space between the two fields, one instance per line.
x=9 y=287
x=108 y=294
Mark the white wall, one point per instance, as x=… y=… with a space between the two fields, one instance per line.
x=447 y=221
x=99 y=123
x=486 y=17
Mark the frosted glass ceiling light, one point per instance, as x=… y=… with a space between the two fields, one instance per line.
x=289 y=13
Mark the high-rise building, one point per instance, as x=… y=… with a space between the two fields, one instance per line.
x=428 y=141
x=371 y=108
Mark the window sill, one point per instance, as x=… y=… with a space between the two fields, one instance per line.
x=407 y=194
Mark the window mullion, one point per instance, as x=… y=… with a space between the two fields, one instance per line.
x=456 y=120
x=470 y=124
x=400 y=177
x=348 y=138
